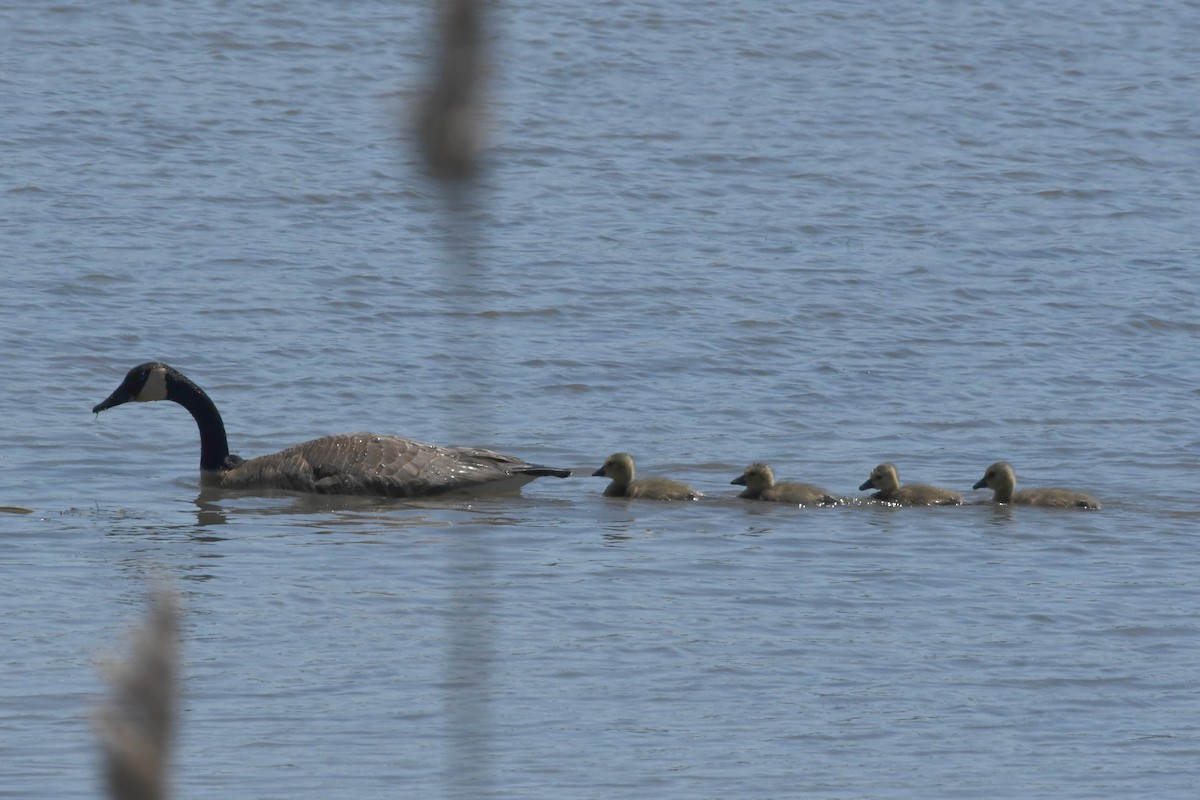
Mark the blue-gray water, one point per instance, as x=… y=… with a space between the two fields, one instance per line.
x=822 y=235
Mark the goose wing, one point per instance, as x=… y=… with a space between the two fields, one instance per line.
x=805 y=494
x=661 y=489
x=384 y=466
x=922 y=494
x=1052 y=497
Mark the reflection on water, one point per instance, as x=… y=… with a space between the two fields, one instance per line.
x=216 y=506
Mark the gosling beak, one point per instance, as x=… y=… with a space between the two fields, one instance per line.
x=599 y=473
x=980 y=484
x=740 y=480
x=866 y=485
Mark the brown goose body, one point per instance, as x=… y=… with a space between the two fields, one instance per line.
x=382 y=466
x=886 y=479
x=619 y=468
x=1002 y=480
x=759 y=480
x=343 y=464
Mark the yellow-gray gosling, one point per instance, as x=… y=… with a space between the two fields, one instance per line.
x=885 y=478
x=759 y=480
x=1002 y=480
x=619 y=468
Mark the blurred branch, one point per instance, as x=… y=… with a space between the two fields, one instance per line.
x=451 y=119
x=136 y=725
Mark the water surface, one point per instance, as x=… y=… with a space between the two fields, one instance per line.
x=820 y=237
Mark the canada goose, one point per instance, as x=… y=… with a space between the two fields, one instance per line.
x=760 y=484
x=885 y=478
x=1002 y=480
x=347 y=464
x=619 y=467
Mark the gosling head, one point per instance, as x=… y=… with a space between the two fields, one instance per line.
x=998 y=476
x=884 y=478
x=756 y=478
x=618 y=467
x=143 y=383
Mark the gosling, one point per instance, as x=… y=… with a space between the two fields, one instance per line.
x=619 y=467
x=760 y=484
x=1002 y=480
x=885 y=478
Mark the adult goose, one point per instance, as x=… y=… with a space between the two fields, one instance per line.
x=343 y=464
x=1002 y=480
x=759 y=480
x=619 y=468
x=886 y=479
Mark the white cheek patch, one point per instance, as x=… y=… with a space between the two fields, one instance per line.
x=155 y=387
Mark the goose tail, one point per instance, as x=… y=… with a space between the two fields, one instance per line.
x=539 y=471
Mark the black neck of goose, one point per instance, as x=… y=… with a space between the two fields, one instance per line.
x=214 y=445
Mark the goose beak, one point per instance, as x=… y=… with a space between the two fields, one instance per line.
x=121 y=395
x=599 y=473
x=866 y=485
x=740 y=480
x=980 y=484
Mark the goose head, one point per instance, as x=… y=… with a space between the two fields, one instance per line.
x=999 y=477
x=884 y=478
x=757 y=478
x=618 y=467
x=145 y=382
x=155 y=380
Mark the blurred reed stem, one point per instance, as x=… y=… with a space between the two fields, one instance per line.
x=136 y=724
